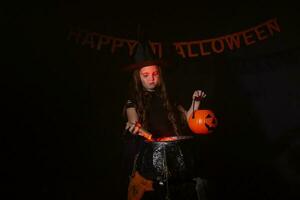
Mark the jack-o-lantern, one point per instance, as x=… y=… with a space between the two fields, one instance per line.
x=202 y=121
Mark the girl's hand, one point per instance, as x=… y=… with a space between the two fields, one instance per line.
x=133 y=127
x=198 y=95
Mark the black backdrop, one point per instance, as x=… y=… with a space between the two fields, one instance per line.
x=62 y=101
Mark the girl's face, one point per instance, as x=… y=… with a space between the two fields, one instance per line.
x=150 y=77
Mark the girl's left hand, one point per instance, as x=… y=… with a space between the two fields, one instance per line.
x=198 y=95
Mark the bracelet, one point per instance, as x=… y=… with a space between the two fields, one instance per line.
x=198 y=98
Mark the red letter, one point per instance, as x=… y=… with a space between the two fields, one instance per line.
x=116 y=43
x=103 y=40
x=233 y=40
x=190 y=53
x=273 y=25
x=248 y=38
x=214 y=46
x=179 y=48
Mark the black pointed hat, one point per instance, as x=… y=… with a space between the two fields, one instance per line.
x=144 y=56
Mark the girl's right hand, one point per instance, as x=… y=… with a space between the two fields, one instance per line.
x=132 y=127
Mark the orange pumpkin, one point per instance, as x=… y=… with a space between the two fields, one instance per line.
x=202 y=122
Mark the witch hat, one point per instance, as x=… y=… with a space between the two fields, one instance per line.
x=144 y=56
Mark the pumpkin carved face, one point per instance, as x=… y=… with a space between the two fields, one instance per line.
x=202 y=122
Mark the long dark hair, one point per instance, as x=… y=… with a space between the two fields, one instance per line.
x=137 y=92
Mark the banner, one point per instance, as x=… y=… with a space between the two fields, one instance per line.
x=185 y=49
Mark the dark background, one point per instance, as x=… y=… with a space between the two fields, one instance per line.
x=62 y=102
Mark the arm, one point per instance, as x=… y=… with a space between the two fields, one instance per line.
x=197 y=96
x=134 y=126
x=132 y=115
